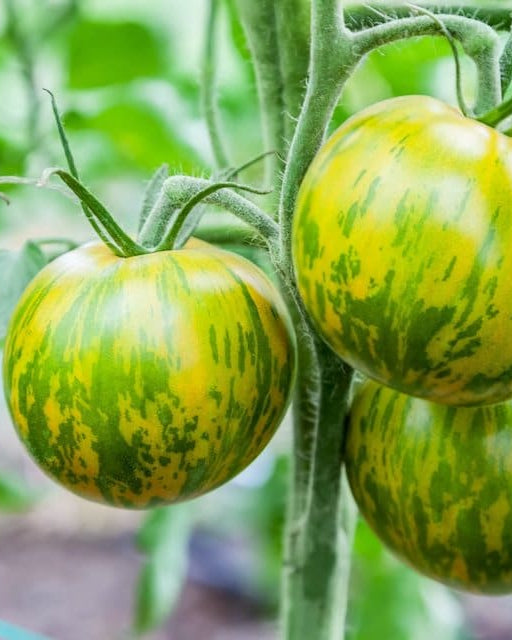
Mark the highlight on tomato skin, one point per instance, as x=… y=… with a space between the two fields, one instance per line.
x=152 y=379
x=435 y=484
x=401 y=247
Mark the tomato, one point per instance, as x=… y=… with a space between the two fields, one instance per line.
x=435 y=484
x=152 y=379
x=401 y=246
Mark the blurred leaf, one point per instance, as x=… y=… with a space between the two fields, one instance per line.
x=421 y=54
x=144 y=138
x=105 y=53
x=236 y=30
x=11 y=632
x=390 y=600
x=17 y=269
x=15 y=496
x=164 y=537
x=12 y=159
x=386 y=73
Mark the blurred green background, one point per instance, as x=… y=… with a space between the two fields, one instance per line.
x=125 y=75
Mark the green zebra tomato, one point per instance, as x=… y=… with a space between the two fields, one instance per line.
x=148 y=380
x=401 y=245
x=435 y=484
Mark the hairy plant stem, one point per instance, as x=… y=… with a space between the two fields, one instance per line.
x=293 y=26
x=360 y=16
x=479 y=41
x=331 y=61
x=506 y=64
x=320 y=517
x=208 y=101
x=260 y=25
x=177 y=190
x=312 y=577
x=318 y=541
x=498 y=114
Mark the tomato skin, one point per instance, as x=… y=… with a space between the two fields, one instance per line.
x=148 y=380
x=435 y=484
x=401 y=246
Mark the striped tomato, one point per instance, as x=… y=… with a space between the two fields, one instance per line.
x=435 y=484
x=401 y=245
x=148 y=380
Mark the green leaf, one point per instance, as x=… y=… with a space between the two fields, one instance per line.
x=15 y=495
x=164 y=538
x=11 y=158
x=236 y=31
x=106 y=53
x=17 y=269
x=143 y=137
x=390 y=600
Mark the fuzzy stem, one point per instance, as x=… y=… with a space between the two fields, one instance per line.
x=318 y=561
x=177 y=234
x=478 y=40
x=293 y=25
x=458 y=71
x=208 y=100
x=259 y=22
x=152 y=192
x=178 y=190
x=497 y=115
x=506 y=64
x=226 y=233
x=331 y=62
x=359 y=16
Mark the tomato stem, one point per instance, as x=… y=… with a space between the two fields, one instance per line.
x=152 y=192
x=293 y=25
x=178 y=190
x=260 y=25
x=320 y=537
x=506 y=64
x=232 y=173
x=331 y=62
x=174 y=238
x=498 y=114
x=458 y=72
x=358 y=16
x=478 y=40
x=208 y=102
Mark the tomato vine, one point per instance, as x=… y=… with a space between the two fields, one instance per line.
x=303 y=53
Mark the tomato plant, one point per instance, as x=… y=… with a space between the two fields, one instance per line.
x=134 y=382
x=150 y=370
x=401 y=248
x=435 y=484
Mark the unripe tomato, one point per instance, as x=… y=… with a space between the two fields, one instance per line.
x=435 y=484
x=401 y=245
x=148 y=380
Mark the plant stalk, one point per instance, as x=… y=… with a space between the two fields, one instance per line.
x=260 y=25
x=177 y=190
x=208 y=98
x=315 y=585
x=479 y=41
